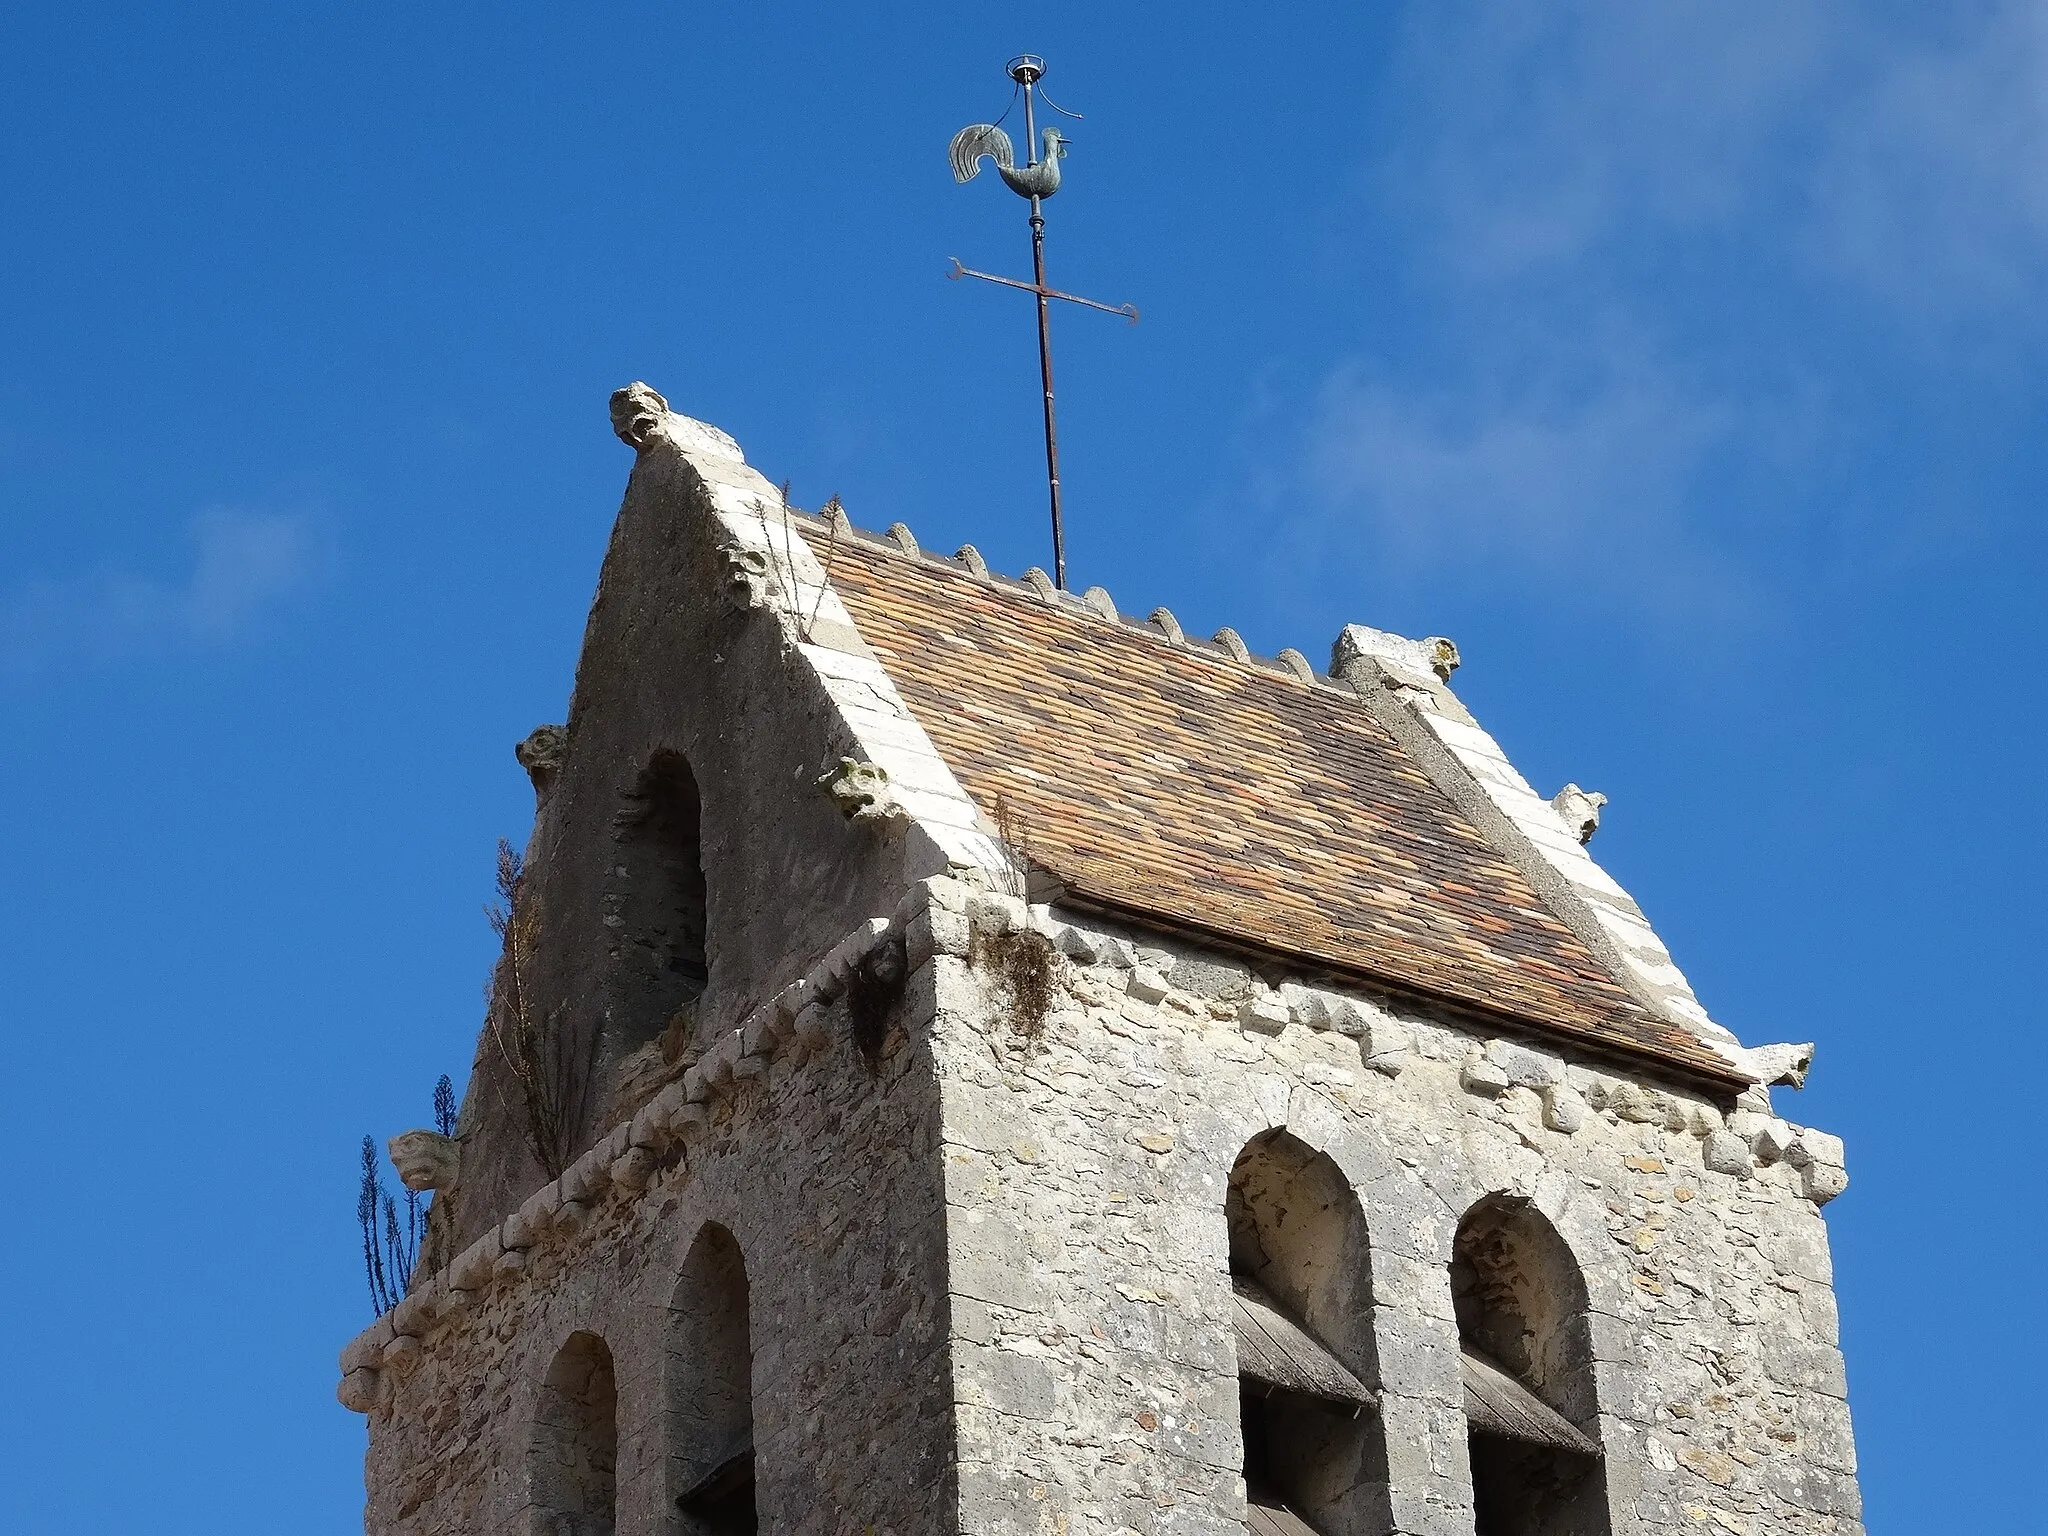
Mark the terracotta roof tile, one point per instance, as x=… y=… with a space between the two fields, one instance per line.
x=1178 y=785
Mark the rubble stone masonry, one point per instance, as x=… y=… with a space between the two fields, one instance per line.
x=988 y=1258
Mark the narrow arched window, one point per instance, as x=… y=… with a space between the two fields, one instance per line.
x=1301 y=1281
x=576 y=1442
x=710 y=1390
x=1532 y=1412
x=655 y=902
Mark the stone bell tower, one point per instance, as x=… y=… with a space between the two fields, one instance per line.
x=967 y=1060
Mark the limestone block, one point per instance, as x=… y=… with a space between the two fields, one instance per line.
x=415 y=1314
x=788 y=1003
x=1483 y=1077
x=1210 y=980
x=1384 y=1043
x=1813 y=1146
x=364 y=1350
x=572 y=1218
x=997 y=913
x=1726 y=1152
x=1771 y=1141
x=1306 y=1006
x=1796 y=1362
x=633 y=1169
x=689 y=1119
x=401 y=1355
x=1821 y=1182
x=1635 y=1103
x=425 y=1159
x=1265 y=1015
x=471 y=1270
x=1524 y=1067
x=948 y=894
x=1563 y=1110
x=1079 y=945
x=536 y=1212
x=1348 y=1016
x=933 y=932
x=650 y=1126
x=588 y=1177
x=1146 y=985
x=718 y=1063
x=358 y=1391
x=813 y=1029
x=510 y=1263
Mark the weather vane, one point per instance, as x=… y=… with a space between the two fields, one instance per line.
x=1037 y=180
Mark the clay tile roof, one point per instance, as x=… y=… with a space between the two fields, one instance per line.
x=1181 y=786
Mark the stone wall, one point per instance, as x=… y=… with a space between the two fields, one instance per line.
x=988 y=1255
x=714 y=644
x=821 y=1159
x=1087 y=1163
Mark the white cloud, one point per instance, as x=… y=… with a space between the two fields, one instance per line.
x=1905 y=151
x=242 y=563
x=1633 y=226
x=1587 y=486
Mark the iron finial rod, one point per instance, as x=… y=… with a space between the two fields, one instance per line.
x=1037 y=180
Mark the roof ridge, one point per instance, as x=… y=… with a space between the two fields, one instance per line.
x=1226 y=648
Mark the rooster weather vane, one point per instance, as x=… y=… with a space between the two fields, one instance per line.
x=1037 y=180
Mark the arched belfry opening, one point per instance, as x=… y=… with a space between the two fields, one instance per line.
x=709 y=1390
x=1531 y=1406
x=575 y=1452
x=655 y=902
x=1301 y=1280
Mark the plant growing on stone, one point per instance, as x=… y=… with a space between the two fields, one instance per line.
x=1025 y=969
x=1013 y=827
x=444 y=1106
x=537 y=1051
x=390 y=1246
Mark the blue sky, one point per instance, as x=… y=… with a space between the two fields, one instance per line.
x=1683 y=362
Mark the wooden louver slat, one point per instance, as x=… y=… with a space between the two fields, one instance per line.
x=1276 y=1351
x=1495 y=1401
x=1268 y=1517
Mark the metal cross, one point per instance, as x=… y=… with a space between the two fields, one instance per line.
x=1037 y=180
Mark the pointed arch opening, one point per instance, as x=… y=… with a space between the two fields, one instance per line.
x=710 y=1390
x=656 y=902
x=1301 y=1277
x=576 y=1442
x=1531 y=1403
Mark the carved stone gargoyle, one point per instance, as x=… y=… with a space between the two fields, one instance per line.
x=861 y=790
x=1435 y=655
x=636 y=411
x=1580 y=809
x=747 y=576
x=541 y=755
x=425 y=1159
x=1782 y=1065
